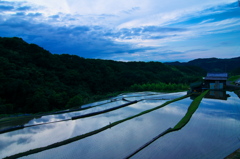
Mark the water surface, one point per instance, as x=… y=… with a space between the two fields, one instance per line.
x=213 y=131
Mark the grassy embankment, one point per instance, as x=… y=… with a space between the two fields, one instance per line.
x=234 y=78
x=192 y=108
x=92 y=132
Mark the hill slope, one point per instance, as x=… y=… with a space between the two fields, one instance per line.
x=212 y=64
x=34 y=80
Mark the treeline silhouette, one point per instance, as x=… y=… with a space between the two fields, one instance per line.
x=34 y=80
x=159 y=87
x=231 y=65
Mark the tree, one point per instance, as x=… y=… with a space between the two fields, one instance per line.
x=77 y=100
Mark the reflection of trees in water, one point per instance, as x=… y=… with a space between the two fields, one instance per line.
x=11 y=122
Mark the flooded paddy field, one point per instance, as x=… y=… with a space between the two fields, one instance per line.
x=212 y=132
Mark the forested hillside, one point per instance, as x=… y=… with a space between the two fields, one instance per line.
x=34 y=80
x=231 y=65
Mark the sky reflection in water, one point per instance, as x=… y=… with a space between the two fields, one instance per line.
x=213 y=130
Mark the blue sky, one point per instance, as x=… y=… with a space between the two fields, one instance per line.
x=127 y=30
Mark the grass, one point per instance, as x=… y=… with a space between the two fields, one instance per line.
x=61 y=143
x=234 y=78
x=192 y=108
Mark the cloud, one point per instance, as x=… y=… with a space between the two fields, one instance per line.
x=161 y=29
x=207 y=21
x=14 y=6
x=198 y=50
x=81 y=29
x=20 y=14
x=54 y=16
x=145 y=33
x=127 y=31
x=85 y=41
x=154 y=54
x=130 y=11
x=6 y=3
x=34 y=14
x=6 y=8
x=24 y=8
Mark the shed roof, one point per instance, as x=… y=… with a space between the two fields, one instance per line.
x=222 y=75
x=216 y=76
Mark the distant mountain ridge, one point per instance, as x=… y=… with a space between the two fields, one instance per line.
x=211 y=64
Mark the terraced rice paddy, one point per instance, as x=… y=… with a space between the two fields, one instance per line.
x=213 y=130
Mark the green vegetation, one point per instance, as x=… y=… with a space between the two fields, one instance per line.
x=33 y=80
x=233 y=78
x=61 y=143
x=235 y=71
x=191 y=109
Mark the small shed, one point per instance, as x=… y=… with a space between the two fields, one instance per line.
x=215 y=81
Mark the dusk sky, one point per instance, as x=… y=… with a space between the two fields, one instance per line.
x=127 y=30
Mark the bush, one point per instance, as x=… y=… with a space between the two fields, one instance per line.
x=77 y=100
